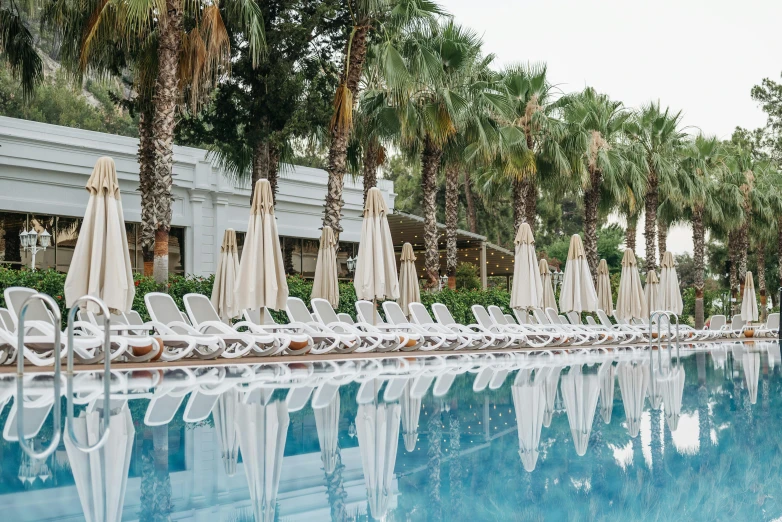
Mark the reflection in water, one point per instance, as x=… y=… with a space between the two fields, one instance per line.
x=545 y=439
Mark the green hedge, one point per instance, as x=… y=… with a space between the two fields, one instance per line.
x=52 y=282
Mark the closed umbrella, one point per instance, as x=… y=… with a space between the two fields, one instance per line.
x=261 y=280
x=605 y=300
x=262 y=432
x=750 y=362
x=749 y=304
x=607 y=378
x=224 y=417
x=527 y=289
x=548 y=300
x=529 y=402
x=633 y=384
x=578 y=291
x=550 y=384
x=377 y=429
x=325 y=284
x=409 y=292
x=411 y=413
x=102 y=474
x=630 y=302
x=652 y=292
x=223 y=296
x=580 y=392
x=653 y=390
x=670 y=293
x=100 y=266
x=327 y=426
x=672 y=390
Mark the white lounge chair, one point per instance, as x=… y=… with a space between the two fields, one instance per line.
x=371 y=337
x=434 y=340
x=481 y=335
x=513 y=333
x=298 y=332
x=411 y=338
x=167 y=320
x=299 y=314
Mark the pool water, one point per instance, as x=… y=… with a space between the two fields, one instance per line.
x=612 y=436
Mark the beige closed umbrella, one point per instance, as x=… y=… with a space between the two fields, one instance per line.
x=409 y=291
x=261 y=280
x=529 y=404
x=376 y=277
x=605 y=301
x=633 y=385
x=580 y=393
x=100 y=266
x=672 y=391
x=327 y=426
x=670 y=294
x=578 y=290
x=223 y=295
x=325 y=285
x=630 y=301
x=548 y=300
x=749 y=303
x=527 y=289
x=652 y=292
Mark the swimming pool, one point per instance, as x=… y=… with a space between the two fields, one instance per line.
x=609 y=436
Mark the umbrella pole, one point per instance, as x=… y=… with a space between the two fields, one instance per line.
x=374 y=311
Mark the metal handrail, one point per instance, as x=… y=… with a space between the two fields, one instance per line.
x=658 y=314
x=57 y=421
x=106 y=373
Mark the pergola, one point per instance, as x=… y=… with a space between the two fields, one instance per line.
x=492 y=260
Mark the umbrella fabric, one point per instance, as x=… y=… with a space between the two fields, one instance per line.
x=223 y=296
x=652 y=292
x=224 y=417
x=653 y=390
x=411 y=412
x=749 y=303
x=548 y=300
x=262 y=431
x=550 y=383
x=100 y=266
x=578 y=291
x=605 y=300
x=376 y=265
x=607 y=378
x=670 y=293
x=261 y=280
x=580 y=393
x=630 y=301
x=672 y=389
x=527 y=289
x=377 y=429
x=106 y=467
x=529 y=403
x=750 y=362
x=633 y=384
x=325 y=284
x=409 y=292
x=327 y=426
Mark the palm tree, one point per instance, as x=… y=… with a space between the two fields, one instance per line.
x=17 y=47
x=656 y=138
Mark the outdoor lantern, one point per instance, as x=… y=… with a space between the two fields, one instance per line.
x=352 y=264
x=556 y=277
x=45 y=238
x=24 y=238
x=32 y=238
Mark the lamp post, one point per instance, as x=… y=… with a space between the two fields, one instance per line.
x=30 y=242
x=556 y=278
x=351 y=264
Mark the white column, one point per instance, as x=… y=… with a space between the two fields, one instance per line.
x=194 y=235
x=221 y=223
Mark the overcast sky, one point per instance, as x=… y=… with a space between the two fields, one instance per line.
x=700 y=57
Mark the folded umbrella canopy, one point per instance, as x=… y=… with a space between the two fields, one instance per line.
x=102 y=475
x=578 y=290
x=652 y=292
x=580 y=392
x=100 y=266
x=411 y=413
x=633 y=383
x=605 y=300
x=327 y=426
x=224 y=417
x=749 y=303
x=377 y=429
x=529 y=403
x=376 y=265
x=750 y=362
x=547 y=300
x=630 y=302
x=607 y=381
x=670 y=294
x=261 y=280
x=550 y=384
x=325 y=285
x=672 y=390
x=223 y=296
x=409 y=291
x=527 y=289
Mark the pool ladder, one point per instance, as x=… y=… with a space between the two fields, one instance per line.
x=658 y=315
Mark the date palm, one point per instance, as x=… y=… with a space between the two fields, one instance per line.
x=17 y=46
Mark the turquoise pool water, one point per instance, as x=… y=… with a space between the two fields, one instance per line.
x=576 y=437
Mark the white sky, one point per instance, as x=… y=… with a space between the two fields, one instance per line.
x=698 y=56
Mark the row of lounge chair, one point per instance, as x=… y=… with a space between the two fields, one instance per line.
x=197 y=332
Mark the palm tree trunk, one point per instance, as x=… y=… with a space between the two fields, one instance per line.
x=164 y=123
x=451 y=218
x=631 y=232
x=335 y=491
x=340 y=129
x=733 y=278
x=370 y=166
x=260 y=164
x=531 y=206
x=434 y=436
x=274 y=170
x=430 y=164
x=591 y=201
x=519 y=203
x=761 y=254
x=779 y=253
x=650 y=222
x=662 y=239
x=146 y=174
x=472 y=221
x=698 y=237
